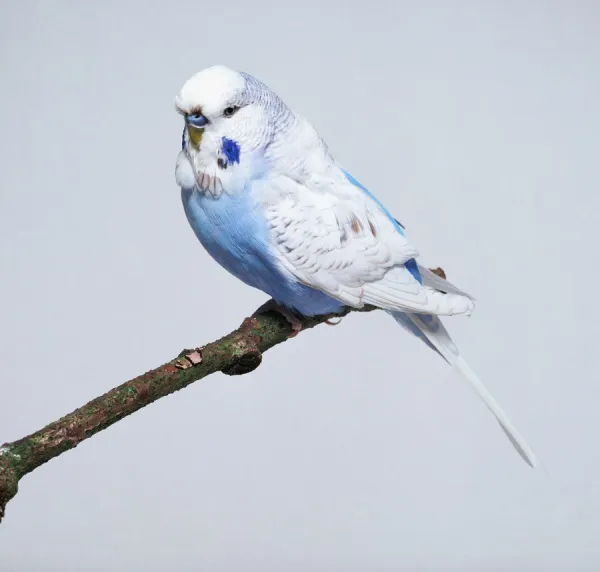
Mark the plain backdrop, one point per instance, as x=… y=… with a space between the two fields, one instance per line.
x=352 y=448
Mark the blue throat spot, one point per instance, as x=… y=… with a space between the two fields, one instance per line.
x=183 y=139
x=231 y=150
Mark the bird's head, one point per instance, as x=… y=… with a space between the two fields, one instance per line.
x=228 y=115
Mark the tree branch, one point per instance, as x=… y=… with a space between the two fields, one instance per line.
x=235 y=354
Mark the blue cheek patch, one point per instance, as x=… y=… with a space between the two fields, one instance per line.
x=231 y=150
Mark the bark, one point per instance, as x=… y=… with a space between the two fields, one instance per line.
x=235 y=354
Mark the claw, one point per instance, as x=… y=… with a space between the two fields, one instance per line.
x=330 y=322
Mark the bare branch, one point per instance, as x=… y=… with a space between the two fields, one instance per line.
x=235 y=354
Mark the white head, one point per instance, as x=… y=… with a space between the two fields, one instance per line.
x=228 y=115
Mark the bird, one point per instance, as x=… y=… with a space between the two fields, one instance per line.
x=268 y=201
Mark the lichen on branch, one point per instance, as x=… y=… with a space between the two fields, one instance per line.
x=236 y=353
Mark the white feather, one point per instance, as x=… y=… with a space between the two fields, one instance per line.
x=434 y=331
x=332 y=236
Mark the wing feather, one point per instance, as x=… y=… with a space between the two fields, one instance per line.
x=338 y=239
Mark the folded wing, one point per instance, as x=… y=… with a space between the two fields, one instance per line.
x=337 y=239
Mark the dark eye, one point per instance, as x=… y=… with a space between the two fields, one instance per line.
x=229 y=111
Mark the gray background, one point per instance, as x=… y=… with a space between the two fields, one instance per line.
x=350 y=448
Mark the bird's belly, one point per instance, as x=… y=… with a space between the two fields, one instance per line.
x=234 y=232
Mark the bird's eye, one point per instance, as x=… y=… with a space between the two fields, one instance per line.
x=229 y=111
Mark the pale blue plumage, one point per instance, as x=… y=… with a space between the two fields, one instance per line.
x=234 y=232
x=269 y=203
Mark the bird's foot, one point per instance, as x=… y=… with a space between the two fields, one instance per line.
x=332 y=322
x=272 y=306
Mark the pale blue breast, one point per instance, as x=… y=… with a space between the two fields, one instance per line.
x=233 y=230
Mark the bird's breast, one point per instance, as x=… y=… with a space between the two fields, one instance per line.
x=233 y=231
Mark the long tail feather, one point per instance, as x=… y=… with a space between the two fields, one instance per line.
x=432 y=331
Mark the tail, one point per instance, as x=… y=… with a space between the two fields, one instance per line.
x=431 y=330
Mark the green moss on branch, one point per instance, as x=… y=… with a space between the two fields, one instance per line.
x=237 y=353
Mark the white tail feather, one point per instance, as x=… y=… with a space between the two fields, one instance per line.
x=433 y=329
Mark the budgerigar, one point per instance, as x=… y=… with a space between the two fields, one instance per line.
x=270 y=204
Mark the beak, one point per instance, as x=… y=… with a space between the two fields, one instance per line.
x=195 y=134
